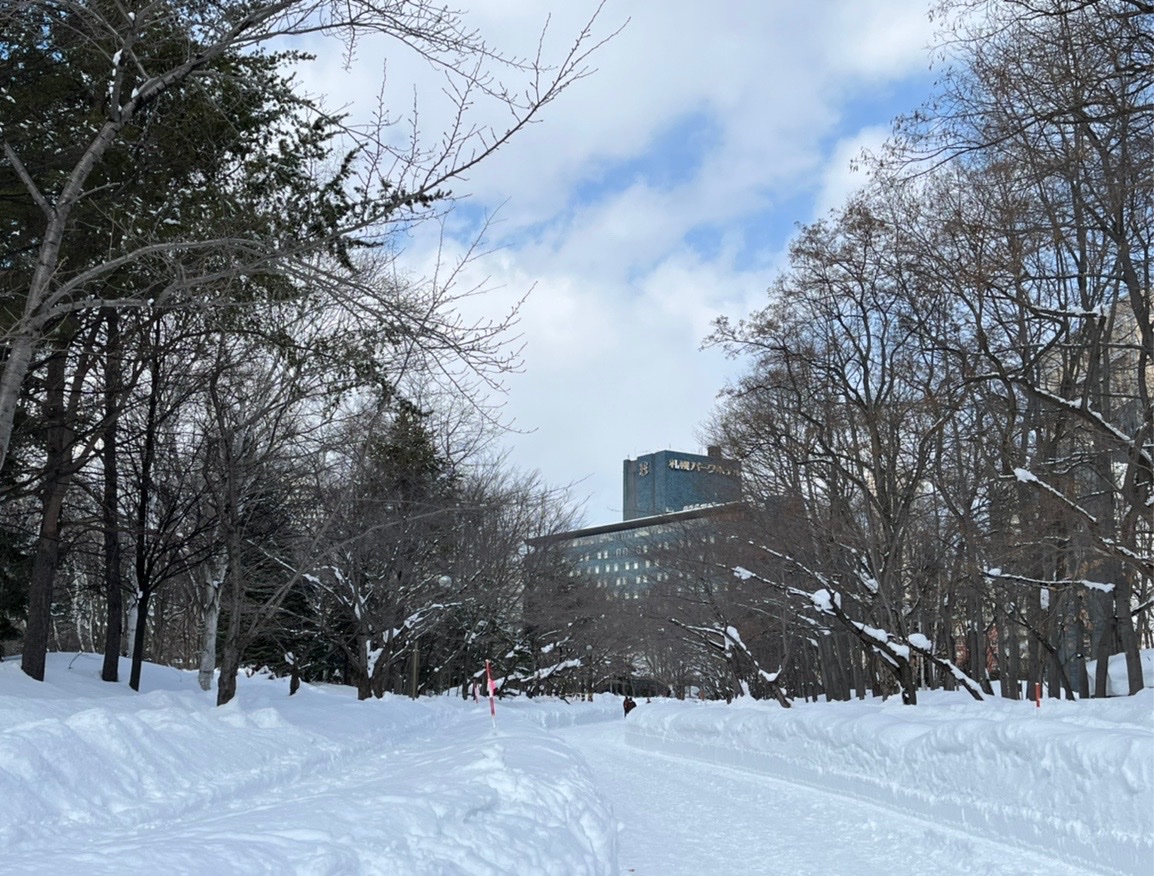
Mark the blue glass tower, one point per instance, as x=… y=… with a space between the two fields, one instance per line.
x=669 y=481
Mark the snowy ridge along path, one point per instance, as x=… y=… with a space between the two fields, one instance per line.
x=940 y=787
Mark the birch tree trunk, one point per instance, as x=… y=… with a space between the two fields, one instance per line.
x=130 y=622
x=209 y=625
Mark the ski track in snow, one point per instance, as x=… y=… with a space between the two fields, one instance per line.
x=684 y=817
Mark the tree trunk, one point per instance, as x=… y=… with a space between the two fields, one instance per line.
x=904 y=673
x=57 y=475
x=138 y=639
x=415 y=668
x=12 y=376
x=232 y=651
x=1101 y=613
x=1126 y=634
x=1102 y=655
x=229 y=667
x=360 y=668
x=130 y=621
x=113 y=583
x=978 y=642
x=1013 y=659
x=114 y=611
x=1036 y=668
x=381 y=668
x=47 y=558
x=144 y=583
x=833 y=672
x=1081 y=677
x=364 y=687
x=209 y=625
x=859 y=675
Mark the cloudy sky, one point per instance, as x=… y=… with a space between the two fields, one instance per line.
x=656 y=194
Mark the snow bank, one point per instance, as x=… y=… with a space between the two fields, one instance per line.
x=1117 y=679
x=96 y=777
x=1074 y=780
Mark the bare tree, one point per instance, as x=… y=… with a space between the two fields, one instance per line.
x=158 y=55
x=170 y=148
x=953 y=377
x=851 y=393
x=1047 y=119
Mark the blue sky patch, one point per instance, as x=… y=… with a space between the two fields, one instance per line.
x=672 y=158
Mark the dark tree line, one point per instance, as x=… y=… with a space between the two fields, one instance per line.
x=214 y=432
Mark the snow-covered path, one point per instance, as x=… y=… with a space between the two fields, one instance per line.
x=96 y=779
x=681 y=817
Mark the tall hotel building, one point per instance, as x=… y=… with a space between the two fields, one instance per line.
x=666 y=495
x=667 y=482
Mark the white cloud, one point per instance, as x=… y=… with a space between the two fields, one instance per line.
x=880 y=39
x=845 y=173
x=622 y=301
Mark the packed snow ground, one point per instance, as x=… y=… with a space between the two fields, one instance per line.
x=97 y=779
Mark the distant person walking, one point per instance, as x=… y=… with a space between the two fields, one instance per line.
x=629 y=705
